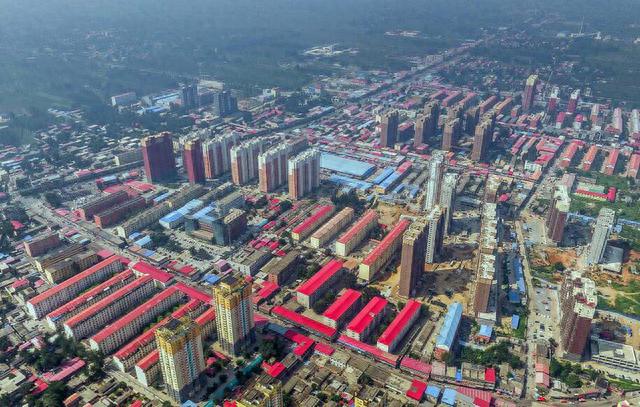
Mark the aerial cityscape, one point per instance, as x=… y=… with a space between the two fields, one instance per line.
x=360 y=203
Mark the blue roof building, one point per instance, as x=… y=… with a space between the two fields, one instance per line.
x=354 y=168
x=449 y=396
x=486 y=331
x=449 y=328
x=383 y=175
x=350 y=182
x=515 y=321
x=433 y=393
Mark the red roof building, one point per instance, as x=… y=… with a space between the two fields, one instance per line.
x=380 y=255
x=589 y=158
x=416 y=390
x=369 y=350
x=398 y=328
x=155 y=273
x=367 y=319
x=356 y=233
x=312 y=289
x=342 y=308
x=610 y=163
x=304 y=322
x=311 y=223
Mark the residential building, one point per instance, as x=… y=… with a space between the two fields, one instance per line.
x=601 y=231
x=435 y=233
x=304 y=173
x=414 y=245
x=314 y=288
x=389 y=128
x=331 y=228
x=451 y=133
x=41 y=244
x=193 y=161
x=244 y=161
x=181 y=357
x=380 y=256
x=434 y=183
x=234 y=313
x=529 y=93
x=272 y=168
x=399 y=327
x=482 y=139
x=157 y=155
x=448 y=199
x=558 y=213
x=578 y=301
x=350 y=239
x=217 y=154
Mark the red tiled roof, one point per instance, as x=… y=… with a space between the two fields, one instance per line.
x=151 y=359
x=155 y=273
x=342 y=304
x=421 y=368
x=367 y=314
x=88 y=295
x=399 y=322
x=131 y=316
x=416 y=390
x=369 y=349
x=194 y=293
x=327 y=271
x=313 y=219
x=304 y=322
x=208 y=315
x=100 y=305
x=72 y=281
x=324 y=349
x=384 y=244
x=367 y=218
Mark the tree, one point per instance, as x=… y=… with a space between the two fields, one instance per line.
x=54 y=395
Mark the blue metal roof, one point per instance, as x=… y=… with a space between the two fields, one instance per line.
x=514 y=297
x=449 y=396
x=350 y=182
x=450 y=326
x=515 y=321
x=211 y=278
x=144 y=241
x=347 y=166
x=486 y=330
x=433 y=391
x=171 y=217
x=383 y=175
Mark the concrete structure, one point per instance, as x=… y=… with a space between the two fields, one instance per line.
x=280 y=270
x=272 y=168
x=383 y=252
x=234 y=313
x=217 y=154
x=435 y=233
x=398 y=328
x=41 y=244
x=350 y=239
x=181 y=357
x=157 y=155
x=601 y=231
x=55 y=297
x=451 y=133
x=558 y=213
x=193 y=161
x=244 y=161
x=482 y=139
x=578 y=300
x=448 y=199
x=414 y=245
x=304 y=173
x=529 y=93
x=389 y=128
x=434 y=183
x=331 y=228
x=342 y=308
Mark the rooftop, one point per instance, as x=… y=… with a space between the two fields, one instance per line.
x=385 y=243
x=342 y=304
x=332 y=162
x=312 y=220
x=399 y=322
x=367 y=314
x=320 y=278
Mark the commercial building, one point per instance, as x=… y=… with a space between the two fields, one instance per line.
x=119 y=212
x=398 y=328
x=107 y=310
x=217 y=154
x=234 y=313
x=445 y=341
x=59 y=316
x=366 y=321
x=414 y=245
x=272 y=168
x=482 y=139
x=101 y=204
x=319 y=215
x=578 y=301
x=181 y=357
x=193 y=161
x=342 y=308
x=60 y=294
x=389 y=128
x=350 y=167
x=448 y=199
x=41 y=244
x=124 y=329
x=529 y=93
x=601 y=231
x=157 y=155
x=350 y=239
x=314 y=288
x=451 y=133
x=331 y=228
x=435 y=233
x=64 y=269
x=304 y=173
x=558 y=213
x=378 y=258
x=244 y=161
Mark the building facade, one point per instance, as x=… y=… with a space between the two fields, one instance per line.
x=157 y=155
x=193 y=161
x=304 y=173
x=234 y=313
x=272 y=168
